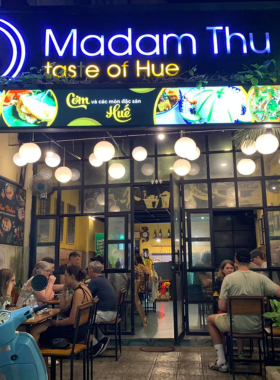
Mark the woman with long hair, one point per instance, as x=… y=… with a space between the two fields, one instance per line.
x=227 y=267
x=7 y=283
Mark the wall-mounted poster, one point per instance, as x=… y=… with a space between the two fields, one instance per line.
x=71 y=225
x=12 y=212
x=151 y=197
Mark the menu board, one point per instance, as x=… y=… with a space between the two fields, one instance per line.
x=99 y=244
x=12 y=212
x=71 y=225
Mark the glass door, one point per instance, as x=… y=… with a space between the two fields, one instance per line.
x=177 y=259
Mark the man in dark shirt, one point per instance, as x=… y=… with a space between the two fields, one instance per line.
x=74 y=259
x=101 y=287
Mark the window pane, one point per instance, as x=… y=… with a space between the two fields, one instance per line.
x=94 y=200
x=47 y=206
x=126 y=177
x=220 y=141
x=271 y=163
x=147 y=142
x=76 y=168
x=198 y=314
x=116 y=228
x=274 y=236
x=151 y=197
x=116 y=256
x=124 y=143
x=72 y=201
x=119 y=199
x=165 y=167
x=221 y=165
x=200 y=285
x=200 y=225
x=46 y=230
x=45 y=169
x=201 y=254
x=256 y=158
x=250 y=194
x=144 y=171
x=196 y=195
x=273 y=192
x=93 y=175
x=43 y=252
x=223 y=194
x=118 y=281
x=166 y=146
x=198 y=169
x=76 y=148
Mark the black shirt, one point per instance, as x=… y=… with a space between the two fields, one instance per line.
x=62 y=269
x=101 y=287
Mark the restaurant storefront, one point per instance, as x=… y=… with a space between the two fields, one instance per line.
x=126 y=82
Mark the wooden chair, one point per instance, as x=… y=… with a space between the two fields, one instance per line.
x=84 y=314
x=89 y=338
x=247 y=306
x=117 y=325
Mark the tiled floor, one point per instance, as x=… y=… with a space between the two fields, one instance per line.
x=185 y=363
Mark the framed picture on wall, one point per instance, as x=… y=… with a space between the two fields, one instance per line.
x=276 y=222
x=70 y=239
x=261 y=231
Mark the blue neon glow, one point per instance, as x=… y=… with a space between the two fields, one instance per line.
x=267 y=44
x=155 y=38
x=179 y=39
x=215 y=39
x=127 y=38
x=60 y=52
x=99 y=52
x=22 y=46
x=229 y=36
x=14 y=56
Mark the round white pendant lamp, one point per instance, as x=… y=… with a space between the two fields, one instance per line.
x=117 y=170
x=191 y=204
x=139 y=153
x=63 y=174
x=75 y=175
x=193 y=154
x=115 y=208
x=94 y=161
x=147 y=169
x=30 y=152
x=249 y=147
x=104 y=151
x=183 y=146
x=246 y=166
x=267 y=143
x=100 y=199
x=195 y=169
x=18 y=160
x=182 y=167
x=46 y=171
x=53 y=161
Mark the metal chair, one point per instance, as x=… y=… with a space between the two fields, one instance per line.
x=247 y=306
x=117 y=325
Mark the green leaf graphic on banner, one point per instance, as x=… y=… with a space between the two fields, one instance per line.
x=83 y=121
x=142 y=90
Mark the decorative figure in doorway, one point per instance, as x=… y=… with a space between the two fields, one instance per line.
x=145 y=234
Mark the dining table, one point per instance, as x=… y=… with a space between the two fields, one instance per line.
x=40 y=318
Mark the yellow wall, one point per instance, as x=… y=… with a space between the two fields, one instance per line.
x=164 y=246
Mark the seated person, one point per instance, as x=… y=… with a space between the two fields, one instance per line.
x=139 y=275
x=7 y=283
x=241 y=282
x=64 y=328
x=257 y=258
x=226 y=267
x=106 y=312
x=73 y=259
x=141 y=264
x=45 y=295
x=57 y=287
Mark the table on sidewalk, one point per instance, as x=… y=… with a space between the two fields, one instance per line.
x=40 y=318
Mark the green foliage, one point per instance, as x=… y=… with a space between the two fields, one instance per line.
x=274 y=315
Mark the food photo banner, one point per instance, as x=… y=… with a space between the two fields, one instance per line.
x=132 y=44
x=92 y=108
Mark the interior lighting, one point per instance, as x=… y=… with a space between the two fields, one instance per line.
x=53 y=161
x=223 y=164
x=30 y=152
x=63 y=174
x=18 y=160
x=182 y=167
x=91 y=217
x=273 y=188
x=147 y=169
x=246 y=166
x=193 y=154
x=249 y=147
x=195 y=169
x=139 y=153
x=267 y=143
x=115 y=208
x=117 y=170
x=171 y=168
x=46 y=171
x=104 y=151
x=184 y=146
x=94 y=161
x=100 y=199
x=75 y=174
x=161 y=136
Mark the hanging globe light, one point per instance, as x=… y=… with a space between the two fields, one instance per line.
x=195 y=169
x=75 y=174
x=18 y=160
x=104 y=151
x=100 y=199
x=147 y=169
x=30 y=152
x=46 y=171
x=182 y=167
x=193 y=154
x=191 y=204
x=246 y=166
x=94 y=161
x=63 y=174
x=117 y=170
x=139 y=153
x=249 y=147
x=267 y=143
x=115 y=208
x=184 y=146
x=53 y=161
